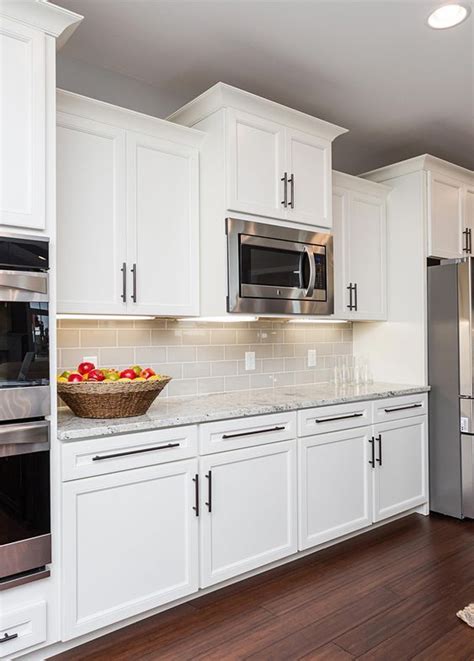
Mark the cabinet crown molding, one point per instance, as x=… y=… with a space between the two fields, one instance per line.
x=83 y=106
x=56 y=21
x=222 y=95
x=417 y=164
x=358 y=184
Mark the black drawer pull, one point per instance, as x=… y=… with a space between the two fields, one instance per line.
x=252 y=433
x=340 y=417
x=99 y=457
x=7 y=637
x=403 y=408
x=372 y=452
x=379 y=441
x=209 y=491
x=196 y=494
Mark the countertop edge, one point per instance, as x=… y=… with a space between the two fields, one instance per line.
x=239 y=412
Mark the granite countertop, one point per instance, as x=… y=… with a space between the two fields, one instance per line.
x=178 y=411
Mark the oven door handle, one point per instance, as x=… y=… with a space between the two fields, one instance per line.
x=24 y=438
x=312 y=272
x=36 y=283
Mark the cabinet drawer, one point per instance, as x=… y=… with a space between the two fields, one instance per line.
x=22 y=628
x=395 y=408
x=125 y=451
x=246 y=432
x=334 y=418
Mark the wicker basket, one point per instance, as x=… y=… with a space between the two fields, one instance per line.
x=111 y=400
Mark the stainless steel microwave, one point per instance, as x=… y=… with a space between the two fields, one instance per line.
x=278 y=270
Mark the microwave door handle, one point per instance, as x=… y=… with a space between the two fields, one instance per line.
x=312 y=272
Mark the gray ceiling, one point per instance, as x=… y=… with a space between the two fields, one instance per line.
x=371 y=66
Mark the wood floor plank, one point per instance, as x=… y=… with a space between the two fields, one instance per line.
x=456 y=645
x=329 y=652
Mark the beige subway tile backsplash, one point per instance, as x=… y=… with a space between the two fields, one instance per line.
x=208 y=357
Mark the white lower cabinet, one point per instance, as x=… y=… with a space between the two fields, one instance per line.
x=130 y=543
x=248 y=509
x=335 y=485
x=400 y=473
x=350 y=479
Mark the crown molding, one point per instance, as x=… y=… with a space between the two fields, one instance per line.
x=56 y=21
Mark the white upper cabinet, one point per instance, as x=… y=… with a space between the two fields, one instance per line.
x=256 y=164
x=309 y=183
x=360 y=254
x=163 y=226
x=132 y=197
x=91 y=209
x=276 y=160
x=28 y=34
x=22 y=126
x=445 y=216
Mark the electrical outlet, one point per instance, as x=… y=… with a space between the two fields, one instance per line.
x=311 y=357
x=250 y=360
x=90 y=359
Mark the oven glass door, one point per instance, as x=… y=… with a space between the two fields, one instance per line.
x=24 y=344
x=274 y=268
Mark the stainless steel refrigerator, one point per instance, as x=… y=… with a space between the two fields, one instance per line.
x=451 y=376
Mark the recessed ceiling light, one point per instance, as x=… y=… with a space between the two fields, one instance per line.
x=447 y=16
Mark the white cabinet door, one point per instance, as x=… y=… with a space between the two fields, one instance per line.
x=251 y=519
x=255 y=165
x=309 y=188
x=360 y=262
x=335 y=485
x=468 y=219
x=365 y=265
x=400 y=473
x=22 y=126
x=163 y=226
x=130 y=543
x=91 y=220
x=445 y=216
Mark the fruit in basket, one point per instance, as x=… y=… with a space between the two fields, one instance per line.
x=61 y=379
x=154 y=377
x=75 y=377
x=96 y=375
x=147 y=373
x=124 y=378
x=85 y=368
x=112 y=376
x=128 y=374
x=139 y=379
x=65 y=374
x=137 y=369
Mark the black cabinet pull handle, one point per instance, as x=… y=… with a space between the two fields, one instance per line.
x=339 y=417
x=466 y=242
x=124 y=282
x=355 y=297
x=350 y=289
x=372 y=452
x=8 y=636
x=284 y=179
x=291 y=181
x=99 y=457
x=251 y=433
x=469 y=234
x=134 y=273
x=209 y=491
x=403 y=408
x=379 y=441
x=196 y=494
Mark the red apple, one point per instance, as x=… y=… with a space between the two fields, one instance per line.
x=96 y=375
x=85 y=368
x=75 y=378
x=146 y=373
x=128 y=374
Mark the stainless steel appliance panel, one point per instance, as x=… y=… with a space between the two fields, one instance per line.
x=443 y=358
x=465 y=317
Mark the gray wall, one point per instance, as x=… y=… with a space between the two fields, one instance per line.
x=77 y=76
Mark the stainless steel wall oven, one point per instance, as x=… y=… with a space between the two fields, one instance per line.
x=278 y=270
x=25 y=540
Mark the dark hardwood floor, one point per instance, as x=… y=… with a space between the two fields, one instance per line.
x=389 y=594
